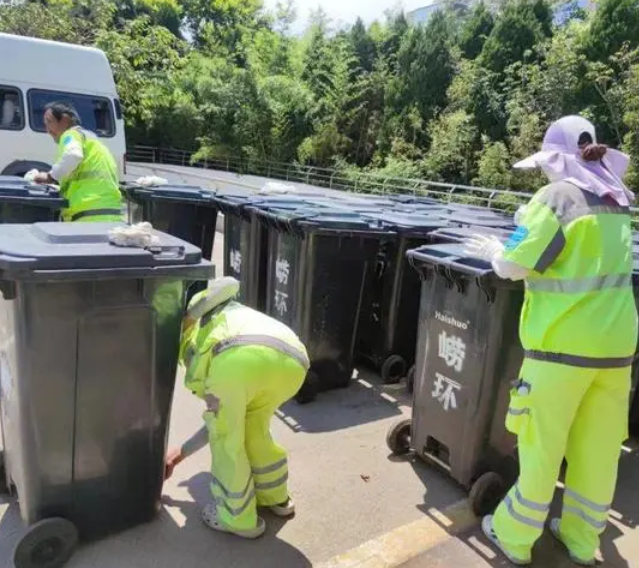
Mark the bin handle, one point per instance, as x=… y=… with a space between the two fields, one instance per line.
x=452 y=262
x=167 y=252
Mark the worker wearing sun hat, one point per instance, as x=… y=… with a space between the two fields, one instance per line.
x=573 y=248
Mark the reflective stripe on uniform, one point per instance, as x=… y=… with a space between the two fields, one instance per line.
x=586 y=502
x=265 y=341
x=236 y=511
x=518 y=411
x=245 y=496
x=580 y=361
x=95 y=213
x=580 y=285
x=599 y=525
x=539 y=507
x=270 y=468
x=272 y=484
x=231 y=494
x=521 y=518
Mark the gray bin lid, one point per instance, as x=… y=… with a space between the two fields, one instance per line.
x=16 y=189
x=485 y=218
x=171 y=192
x=84 y=248
x=417 y=223
x=460 y=234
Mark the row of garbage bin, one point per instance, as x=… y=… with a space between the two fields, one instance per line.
x=332 y=267
x=355 y=277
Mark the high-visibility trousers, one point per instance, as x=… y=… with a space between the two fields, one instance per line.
x=561 y=411
x=244 y=388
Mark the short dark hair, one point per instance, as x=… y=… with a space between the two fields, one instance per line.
x=60 y=109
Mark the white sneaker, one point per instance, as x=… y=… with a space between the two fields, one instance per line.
x=554 y=530
x=487 y=529
x=286 y=509
x=209 y=516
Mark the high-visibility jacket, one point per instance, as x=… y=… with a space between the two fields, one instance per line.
x=579 y=307
x=233 y=325
x=92 y=189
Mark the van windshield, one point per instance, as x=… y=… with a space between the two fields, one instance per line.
x=96 y=112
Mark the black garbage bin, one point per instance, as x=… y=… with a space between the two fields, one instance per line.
x=187 y=212
x=388 y=323
x=22 y=202
x=89 y=337
x=245 y=244
x=468 y=358
x=317 y=265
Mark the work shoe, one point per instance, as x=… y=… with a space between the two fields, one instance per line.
x=487 y=529
x=209 y=516
x=286 y=509
x=554 y=530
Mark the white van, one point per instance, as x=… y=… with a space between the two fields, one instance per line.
x=35 y=72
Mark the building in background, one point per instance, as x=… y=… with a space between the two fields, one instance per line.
x=563 y=10
x=421 y=15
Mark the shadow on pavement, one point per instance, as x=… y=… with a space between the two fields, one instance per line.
x=472 y=550
x=366 y=400
x=228 y=550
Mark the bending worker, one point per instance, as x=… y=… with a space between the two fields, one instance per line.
x=573 y=248
x=244 y=365
x=85 y=169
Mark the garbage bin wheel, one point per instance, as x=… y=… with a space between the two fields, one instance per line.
x=410 y=380
x=310 y=389
x=398 y=437
x=486 y=493
x=4 y=489
x=393 y=370
x=48 y=544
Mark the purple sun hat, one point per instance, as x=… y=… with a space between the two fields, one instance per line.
x=561 y=159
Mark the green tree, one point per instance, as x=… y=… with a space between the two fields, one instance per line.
x=363 y=46
x=520 y=27
x=476 y=30
x=614 y=23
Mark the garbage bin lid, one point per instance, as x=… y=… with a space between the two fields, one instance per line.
x=418 y=222
x=480 y=217
x=173 y=192
x=414 y=199
x=82 y=246
x=17 y=189
x=458 y=234
x=336 y=220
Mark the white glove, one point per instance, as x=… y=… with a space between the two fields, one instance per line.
x=151 y=181
x=31 y=175
x=275 y=188
x=137 y=236
x=519 y=214
x=483 y=247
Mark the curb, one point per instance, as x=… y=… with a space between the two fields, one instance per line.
x=409 y=541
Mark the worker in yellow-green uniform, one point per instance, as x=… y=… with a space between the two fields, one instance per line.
x=244 y=365
x=573 y=249
x=85 y=169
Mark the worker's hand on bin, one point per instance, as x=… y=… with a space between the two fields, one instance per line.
x=483 y=247
x=43 y=177
x=173 y=459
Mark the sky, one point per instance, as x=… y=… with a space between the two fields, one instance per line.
x=348 y=10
